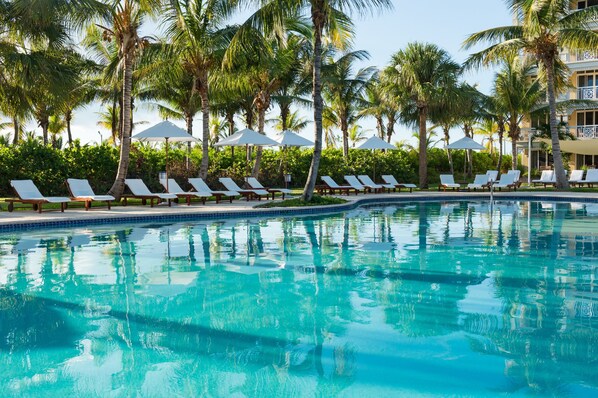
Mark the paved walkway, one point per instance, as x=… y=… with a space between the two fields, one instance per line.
x=242 y=207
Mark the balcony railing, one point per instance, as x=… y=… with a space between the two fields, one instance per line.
x=587 y=93
x=589 y=131
x=586 y=56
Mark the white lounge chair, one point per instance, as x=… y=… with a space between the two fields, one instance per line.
x=390 y=179
x=492 y=175
x=516 y=176
x=480 y=182
x=81 y=191
x=332 y=186
x=448 y=181
x=200 y=186
x=248 y=193
x=175 y=188
x=369 y=183
x=28 y=193
x=576 y=177
x=546 y=178
x=591 y=178
x=356 y=185
x=140 y=191
x=255 y=184
x=506 y=181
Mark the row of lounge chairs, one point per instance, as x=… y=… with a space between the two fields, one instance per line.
x=81 y=191
x=364 y=184
x=548 y=177
x=509 y=180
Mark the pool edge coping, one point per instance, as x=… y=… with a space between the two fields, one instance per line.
x=253 y=212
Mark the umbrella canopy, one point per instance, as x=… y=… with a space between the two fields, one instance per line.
x=247 y=137
x=465 y=143
x=288 y=138
x=164 y=131
x=376 y=143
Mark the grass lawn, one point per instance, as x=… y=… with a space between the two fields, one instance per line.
x=297 y=202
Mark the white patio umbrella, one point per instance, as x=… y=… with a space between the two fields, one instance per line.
x=374 y=143
x=467 y=144
x=286 y=139
x=246 y=138
x=167 y=132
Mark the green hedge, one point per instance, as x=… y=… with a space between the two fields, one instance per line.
x=49 y=167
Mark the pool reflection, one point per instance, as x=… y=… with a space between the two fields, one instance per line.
x=388 y=298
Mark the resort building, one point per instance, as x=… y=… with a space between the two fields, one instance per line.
x=581 y=121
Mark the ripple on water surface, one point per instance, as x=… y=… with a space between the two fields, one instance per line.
x=418 y=299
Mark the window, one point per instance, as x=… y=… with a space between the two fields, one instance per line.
x=585 y=80
x=581 y=4
x=587 y=118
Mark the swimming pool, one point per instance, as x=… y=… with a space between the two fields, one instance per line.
x=388 y=300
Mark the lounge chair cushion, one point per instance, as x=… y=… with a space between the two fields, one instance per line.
x=26 y=190
x=80 y=189
x=138 y=188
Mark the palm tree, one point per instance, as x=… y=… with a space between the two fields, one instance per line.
x=518 y=93
x=293 y=122
x=487 y=128
x=108 y=81
x=261 y=68
x=124 y=20
x=325 y=15
x=544 y=28
x=199 y=42
x=329 y=122
x=357 y=134
x=419 y=73
x=56 y=127
x=373 y=104
x=343 y=90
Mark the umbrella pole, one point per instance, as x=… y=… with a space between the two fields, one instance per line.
x=166 y=150
x=248 y=158
x=375 y=163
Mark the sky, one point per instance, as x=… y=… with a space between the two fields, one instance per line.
x=444 y=23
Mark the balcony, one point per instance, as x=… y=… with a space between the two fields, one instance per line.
x=587 y=93
x=584 y=132
x=588 y=55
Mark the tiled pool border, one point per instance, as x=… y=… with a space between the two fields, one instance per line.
x=282 y=212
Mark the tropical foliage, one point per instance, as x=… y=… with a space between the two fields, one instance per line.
x=288 y=58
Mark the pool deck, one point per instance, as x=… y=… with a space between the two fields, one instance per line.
x=240 y=208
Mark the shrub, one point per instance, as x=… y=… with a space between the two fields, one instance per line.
x=49 y=167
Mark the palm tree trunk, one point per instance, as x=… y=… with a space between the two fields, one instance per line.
x=230 y=117
x=513 y=133
x=205 y=140
x=559 y=169
x=17 y=131
x=318 y=20
x=345 y=132
x=118 y=186
x=261 y=122
x=114 y=121
x=423 y=149
x=68 y=117
x=501 y=132
x=447 y=137
x=390 y=127
x=189 y=120
x=44 y=123
x=380 y=126
x=284 y=116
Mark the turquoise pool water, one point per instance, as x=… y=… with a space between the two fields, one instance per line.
x=430 y=299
